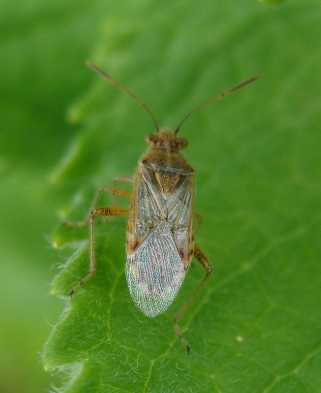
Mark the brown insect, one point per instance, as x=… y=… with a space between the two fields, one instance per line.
x=160 y=235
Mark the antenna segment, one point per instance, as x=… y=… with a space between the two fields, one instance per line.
x=229 y=91
x=121 y=87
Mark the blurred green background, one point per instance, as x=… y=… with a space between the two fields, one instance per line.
x=43 y=47
x=172 y=54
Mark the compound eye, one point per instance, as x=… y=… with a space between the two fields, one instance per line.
x=151 y=139
x=181 y=143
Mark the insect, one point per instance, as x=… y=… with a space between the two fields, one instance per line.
x=160 y=235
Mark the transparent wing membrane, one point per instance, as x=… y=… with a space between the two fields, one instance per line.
x=155 y=271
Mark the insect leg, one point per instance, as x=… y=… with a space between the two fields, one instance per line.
x=124 y=179
x=99 y=211
x=198 y=254
x=109 y=189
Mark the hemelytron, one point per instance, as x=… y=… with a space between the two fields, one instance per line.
x=160 y=235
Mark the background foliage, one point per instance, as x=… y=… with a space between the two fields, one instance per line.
x=256 y=325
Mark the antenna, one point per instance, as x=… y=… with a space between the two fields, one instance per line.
x=111 y=80
x=229 y=91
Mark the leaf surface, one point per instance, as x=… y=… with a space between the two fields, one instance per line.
x=255 y=326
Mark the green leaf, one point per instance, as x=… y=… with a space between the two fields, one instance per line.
x=255 y=327
x=272 y=1
x=42 y=49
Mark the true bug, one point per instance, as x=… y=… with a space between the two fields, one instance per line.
x=160 y=236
